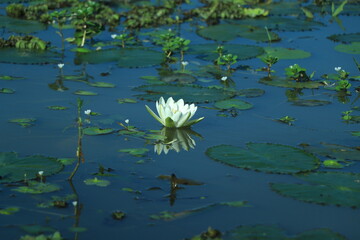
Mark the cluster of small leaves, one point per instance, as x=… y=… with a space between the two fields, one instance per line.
x=31 y=12
x=24 y=42
x=148 y=16
x=171 y=43
x=297 y=73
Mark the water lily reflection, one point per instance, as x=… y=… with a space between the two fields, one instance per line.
x=176 y=140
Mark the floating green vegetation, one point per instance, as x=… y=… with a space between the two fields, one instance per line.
x=345 y=38
x=7 y=90
x=287 y=120
x=34 y=187
x=9 y=210
x=97 y=182
x=55 y=236
x=118 y=215
x=14 y=169
x=24 y=42
x=136 y=152
x=284 y=8
x=21 y=26
x=250 y=92
x=24 y=122
x=265 y=157
x=126 y=100
x=227 y=32
x=94 y=131
x=57 y=108
x=85 y=93
x=208 y=51
x=335 y=163
x=288 y=83
x=102 y=85
x=286 y=53
x=125 y=57
x=190 y=93
x=310 y=102
x=353 y=48
x=28 y=56
x=334 y=151
x=280 y=23
x=325 y=188
x=182 y=78
x=6 y=77
x=37 y=229
x=233 y=103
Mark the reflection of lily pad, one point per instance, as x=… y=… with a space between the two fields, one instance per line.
x=13 y=168
x=27 y=56
x=227 y=32
x=345 y=38
x=310 y=102
x=21 y=26
x=288 y=83
x=34 y=187
x=280 y=23
x=207 y=51
x=125 y=57
x=329 y=188
x=334 y=151
x=190 y=93
x=286 y=53
x=353 y=48
x=266 y=157
x=93 y=131
x=233 y=103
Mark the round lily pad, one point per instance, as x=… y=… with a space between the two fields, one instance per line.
x=326 y=188
x=250 y=92
x=310 y=102
x=190 y=93
x=7 y=90
x=14 y=168
x=20 y=25
x=28 y=56
x=93 y=131
x=288 y=83
x=227 y=32
x=286 y=53
x=125 y=57
x=265 y=157
x=233 y=103
x=85 y=93
x=334 y=151
x=345 y=38
x=353 y=48
x=102 y=85
x=208 y=51
x=34 y=187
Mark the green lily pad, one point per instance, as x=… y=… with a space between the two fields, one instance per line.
x=272 y=232
x=125 y=57
x=85 y=93
x=310 y=102
x=28 y=56
x=97 y=182
x=24 y=122
x=286 y=53
x=227 y=32
x=57 y=107
x=353 y=48
x=190 y=93
x=102 y=85
x=233 y=103
x=137 y=152
x=288 y=83
x=9 y=210
x=291 y=8
x=21 y=26
x=331 y=163
x=6 y=77
x=326 y=188
x=265 y=157
x=182 y=78
x=126 y=100
x=250 y=92
x=280 y=23
x=37 y=229
x=345 y=38
x=207 y=51
x=334 y=151
x=93 y=131
x=14 y=169
x=66 y=161
x=34 y=187
x=7 y=90
x=355 y=133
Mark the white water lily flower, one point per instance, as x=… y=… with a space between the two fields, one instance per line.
x=127 y=121
x=337 y=69
x=224 y=78
x=87 y=112
x=184 y=63
x=61 y=65
x=41 y=173
x=113 y=36
x=174 y=114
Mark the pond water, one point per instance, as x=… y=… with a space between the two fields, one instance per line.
x=135 y=187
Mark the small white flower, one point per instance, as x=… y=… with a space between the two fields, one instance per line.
x=98 y=48
x=174 y=114
x=113 y=36
x=127 y=121
x=87 y=112
x=224 y=78
x=184 y=63
x=290 y=66
x=337 y=69
x=41 y=173
x=74 y=203
x=61 y=65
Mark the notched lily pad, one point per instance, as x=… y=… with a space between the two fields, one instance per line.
x=93 y=131
x=288 y=83
x=325 y=188
x=14 y=169
x=190 y=93
x=233 y=103
x=265 y=157
x=286 y=53
x=34 y=187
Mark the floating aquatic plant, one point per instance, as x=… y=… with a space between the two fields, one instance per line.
x=174 y=114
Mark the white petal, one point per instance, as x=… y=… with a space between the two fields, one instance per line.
x=183 y=120
x=176 y=118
